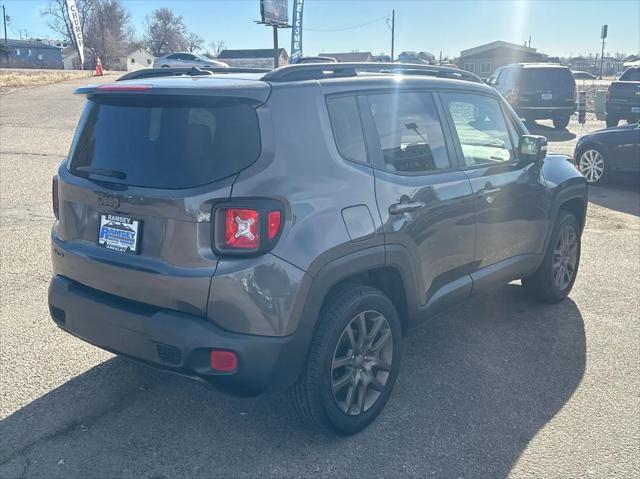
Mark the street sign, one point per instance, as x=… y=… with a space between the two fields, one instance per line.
x=603 y=32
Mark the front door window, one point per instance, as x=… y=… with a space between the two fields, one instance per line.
x=481 y=128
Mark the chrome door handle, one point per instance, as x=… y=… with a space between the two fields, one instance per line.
x=401 y=208
x=489 y=191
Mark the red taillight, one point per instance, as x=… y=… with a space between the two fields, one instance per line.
x=242 y=229
x=247 y=226
x=273 y=224
x=54 y=197
x=224 y=361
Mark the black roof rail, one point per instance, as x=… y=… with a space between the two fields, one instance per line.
x=189 y=71
x=317 y=71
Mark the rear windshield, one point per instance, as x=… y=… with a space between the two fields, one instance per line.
x=164 y=142
x=547 y=78
x=632 y=74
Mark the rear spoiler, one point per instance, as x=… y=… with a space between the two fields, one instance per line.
x=256 y=92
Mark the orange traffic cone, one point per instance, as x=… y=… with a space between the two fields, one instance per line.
x=98 y=72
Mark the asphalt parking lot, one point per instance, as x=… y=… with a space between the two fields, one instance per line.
x=498 y=387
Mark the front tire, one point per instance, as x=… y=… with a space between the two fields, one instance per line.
x=592 y=165
x=560 y=123
x=554 y=278
x=353 y=361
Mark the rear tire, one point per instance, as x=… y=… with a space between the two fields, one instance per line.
x=554 y=278
x=560 y=123
x=612 y=121
x=349 y=375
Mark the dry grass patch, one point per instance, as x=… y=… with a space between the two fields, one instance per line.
x=11 y=79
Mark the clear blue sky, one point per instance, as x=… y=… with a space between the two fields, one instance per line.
x=559 y=28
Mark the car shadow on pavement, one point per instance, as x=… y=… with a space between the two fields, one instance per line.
x=476 y=385
x=620 y=194
x=552 y=134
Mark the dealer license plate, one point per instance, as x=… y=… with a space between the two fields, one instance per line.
x=119 y=233
x=547 y=96
x=635 y=109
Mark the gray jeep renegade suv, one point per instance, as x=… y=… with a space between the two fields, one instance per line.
x=285 y=229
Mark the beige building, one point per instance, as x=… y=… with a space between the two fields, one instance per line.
x=485 y=59
x=253 y=58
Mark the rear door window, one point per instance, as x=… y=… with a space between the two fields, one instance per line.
x=164 y=142
x=347 y=128
x=410 y=132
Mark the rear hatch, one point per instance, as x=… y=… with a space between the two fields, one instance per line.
x=136 y=192
x=547 y=87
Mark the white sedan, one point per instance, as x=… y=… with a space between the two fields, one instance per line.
x=186 y=59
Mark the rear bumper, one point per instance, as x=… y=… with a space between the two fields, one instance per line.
x=623 y=110
x=174 y=341
x=543 y=113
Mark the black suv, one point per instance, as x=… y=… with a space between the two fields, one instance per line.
x=274 y=230
x=538 y=91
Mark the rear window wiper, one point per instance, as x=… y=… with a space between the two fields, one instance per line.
x=120 y=175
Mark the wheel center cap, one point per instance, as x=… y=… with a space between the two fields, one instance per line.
x=359 y=361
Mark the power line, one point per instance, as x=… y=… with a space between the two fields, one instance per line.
x=346 y=28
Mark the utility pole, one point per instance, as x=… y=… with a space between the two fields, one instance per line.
x=440 y=57
x=6 y=42
x=393 y=32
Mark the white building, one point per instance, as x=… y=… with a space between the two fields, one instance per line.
x=70 y=58
x=137 y=59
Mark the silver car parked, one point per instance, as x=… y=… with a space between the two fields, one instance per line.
x=186 y=59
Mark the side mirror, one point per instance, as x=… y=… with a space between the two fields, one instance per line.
x=532 y=148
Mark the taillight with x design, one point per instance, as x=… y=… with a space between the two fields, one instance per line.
x=247 y=226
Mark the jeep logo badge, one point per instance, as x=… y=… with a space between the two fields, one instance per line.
x=108 y=200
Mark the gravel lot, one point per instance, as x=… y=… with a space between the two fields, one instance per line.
x=499 y=387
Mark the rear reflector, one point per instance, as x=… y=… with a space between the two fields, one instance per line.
x=273 y=220
x=223 y=361
x=123 y=87
x=54 y=197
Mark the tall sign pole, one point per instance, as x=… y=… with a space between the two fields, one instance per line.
x=274 y=13
x=603 y=35
x=276 y=48
x=296 y=33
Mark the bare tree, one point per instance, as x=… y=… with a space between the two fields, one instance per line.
x=164 y=32
x=108 y=32
x=194 y=42
x=217 y=47
x=58 y=18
